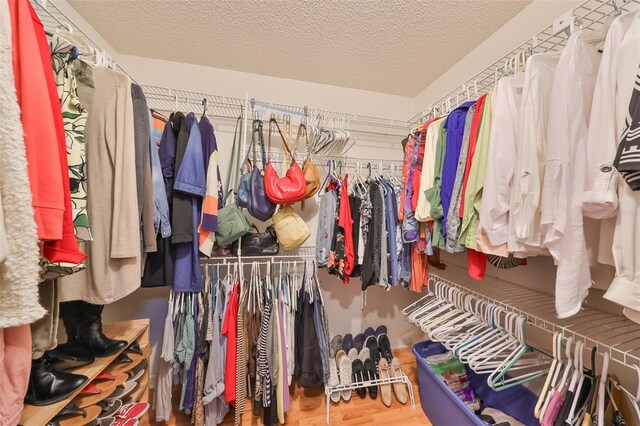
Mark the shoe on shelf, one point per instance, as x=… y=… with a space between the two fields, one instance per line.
x=374 y=350
x=358 y=341
x=399 y=388
x=48 y=385
x=344 y=366
x=132 y=411
x=347 y=342
x=353 y=354
x=370 y=374
x=385 y=347
x=109 y=407
x=385 y=389
x=364 y=354
x=68 y=356
x=381 y=330
x=334 y=380
x=89 y=333
x=368 y=332
x=357 y=371
x=335 y=345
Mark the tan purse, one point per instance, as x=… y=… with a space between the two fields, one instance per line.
x=311 y=173
x=291 y=230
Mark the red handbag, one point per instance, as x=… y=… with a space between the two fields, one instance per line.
x=288 y=189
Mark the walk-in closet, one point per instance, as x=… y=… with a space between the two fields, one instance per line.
x=262 y=212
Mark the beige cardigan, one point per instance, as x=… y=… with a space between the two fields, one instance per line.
x=113 y=264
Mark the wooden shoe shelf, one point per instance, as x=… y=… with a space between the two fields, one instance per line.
x=377 y=382
x=134 y=330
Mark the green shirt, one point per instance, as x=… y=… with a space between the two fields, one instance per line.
x=475 y=182
x=433 y=193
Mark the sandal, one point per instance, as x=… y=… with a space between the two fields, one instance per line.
x=385 y=389
x=399 y=388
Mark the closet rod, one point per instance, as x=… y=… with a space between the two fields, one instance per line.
x=588 y=14
x=53 y=19
x=616 y=335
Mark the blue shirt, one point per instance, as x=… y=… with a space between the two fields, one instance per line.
x=455 y=130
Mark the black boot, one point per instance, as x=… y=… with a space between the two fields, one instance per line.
x=90 y=334
x=71 y=354
x=48 y=386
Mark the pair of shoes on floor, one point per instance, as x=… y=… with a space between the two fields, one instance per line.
x=399 y=388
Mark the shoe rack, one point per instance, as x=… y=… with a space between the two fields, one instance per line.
x=328 y=390
x=134 y=330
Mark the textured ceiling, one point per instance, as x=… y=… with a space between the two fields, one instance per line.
x=390 y=46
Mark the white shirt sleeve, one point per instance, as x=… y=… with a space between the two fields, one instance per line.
x=601 y=180
x=423 y=210
x=494 y=211
x=525 y=194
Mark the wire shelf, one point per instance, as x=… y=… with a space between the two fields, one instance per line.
x=303 y=253
x=615 y=334
x=590 y=14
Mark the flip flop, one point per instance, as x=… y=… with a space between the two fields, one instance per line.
x=109 y=407
x=132 y=411
x=399 y=389
x=344 y=363
x=357 y=371
x=385 y=389
x=358 y=341
x=385 y=347
x=123 y=390
x=333 y=380
x=335 y=345
x=370 y=374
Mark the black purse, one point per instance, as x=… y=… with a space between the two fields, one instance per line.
x=259 y=243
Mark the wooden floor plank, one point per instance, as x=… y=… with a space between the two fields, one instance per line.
x=308 y=407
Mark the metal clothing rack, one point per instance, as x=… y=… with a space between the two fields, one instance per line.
x=614 y=334
x=588 y=14
x=303 y=253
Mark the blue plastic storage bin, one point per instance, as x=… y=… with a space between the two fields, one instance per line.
x=444 y=408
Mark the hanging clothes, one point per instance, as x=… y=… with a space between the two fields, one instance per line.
x=19 y=271
x=562 y=192
x=113 y=267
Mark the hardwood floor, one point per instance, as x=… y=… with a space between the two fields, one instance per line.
x=308 y=407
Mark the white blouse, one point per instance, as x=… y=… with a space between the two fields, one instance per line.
x=561 y=222
x=494 y=210
x=524 y=221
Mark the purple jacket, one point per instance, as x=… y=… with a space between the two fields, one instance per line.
x=455 y=130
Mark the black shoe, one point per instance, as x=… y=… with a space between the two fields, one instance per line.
x=134 y=348
x=68 y=356
x=374 y=350
x=90 y=334
x=371 y=374
x=48 y=386
x=357 y=368
x=385 y=347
